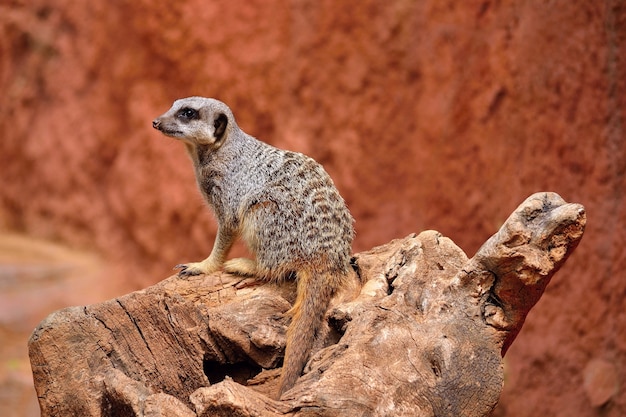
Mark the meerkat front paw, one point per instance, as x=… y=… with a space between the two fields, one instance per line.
x=241 y=266
x=196 y=268
x=187 y=270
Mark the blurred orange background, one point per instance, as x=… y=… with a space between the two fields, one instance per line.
x=428 y=114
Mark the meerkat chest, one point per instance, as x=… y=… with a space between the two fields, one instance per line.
x=227 y=188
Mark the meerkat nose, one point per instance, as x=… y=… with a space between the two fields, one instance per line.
x=156 y=123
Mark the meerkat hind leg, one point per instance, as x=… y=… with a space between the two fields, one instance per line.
x=241 y=266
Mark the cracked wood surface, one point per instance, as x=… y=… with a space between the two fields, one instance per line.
x=424 y=337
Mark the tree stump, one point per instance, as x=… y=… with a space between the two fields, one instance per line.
x=424 y=337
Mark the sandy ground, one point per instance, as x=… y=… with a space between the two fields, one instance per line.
x=37 y=278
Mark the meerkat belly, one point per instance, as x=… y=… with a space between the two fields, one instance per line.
x=295 y=215
x=285 y=232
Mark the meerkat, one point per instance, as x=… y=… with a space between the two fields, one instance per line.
x=282 y=204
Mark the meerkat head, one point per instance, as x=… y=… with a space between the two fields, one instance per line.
x=196 y=120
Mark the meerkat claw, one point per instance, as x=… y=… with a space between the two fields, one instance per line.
x=185 y=271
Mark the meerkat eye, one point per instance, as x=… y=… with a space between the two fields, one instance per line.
x=188 y=113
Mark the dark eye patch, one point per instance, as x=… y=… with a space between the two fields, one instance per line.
x=187 y=113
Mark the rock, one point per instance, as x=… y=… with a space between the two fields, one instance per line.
x=431 y=344
x=600 y=382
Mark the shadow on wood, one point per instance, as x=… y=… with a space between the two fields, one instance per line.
x=425 y=336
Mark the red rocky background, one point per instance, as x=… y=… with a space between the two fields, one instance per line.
x=428 y=114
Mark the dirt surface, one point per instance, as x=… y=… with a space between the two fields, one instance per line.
x=427 y=114
x=36 y=278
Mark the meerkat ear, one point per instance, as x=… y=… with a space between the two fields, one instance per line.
x=220 y=126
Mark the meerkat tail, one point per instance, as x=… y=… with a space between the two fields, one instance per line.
x=307 y=314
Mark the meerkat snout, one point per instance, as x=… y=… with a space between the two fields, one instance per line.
x=156 y=123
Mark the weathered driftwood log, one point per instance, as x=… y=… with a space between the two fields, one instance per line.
x=425 y=336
